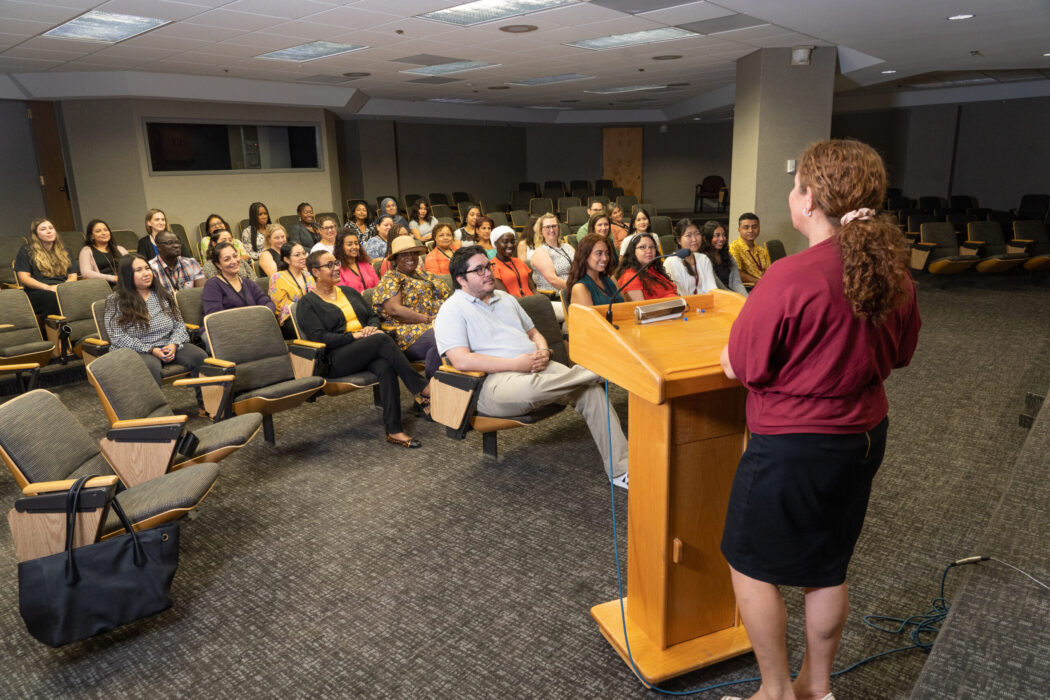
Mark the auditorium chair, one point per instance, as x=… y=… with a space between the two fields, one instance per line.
x=184 y=240
x=94 y=348
x=576 y=217
x=269 y=375
x=776 y=251
x=986 y=239
x=553 y=193
x=491 y=206
x=627 y=202
x=613 y=192
x=411 y=199
x=463 y=207
x=962 y=203
x=73 y=241
x=661 y=226
x=442 y=211
x=454 y=394
x=600 y=187
x=338 y=385
x=958 y=221
x=599 y=198
x=580 y=185
x=519 y=219
x=519 y=199
x=499 y=218
x=540 y=205
x=1030 y=237
x=915 y=221
x=563 y=206
x=127 y=391
x=649 y=207
x=128 y=240
x=50 y=466
x=74 y=322
x=436 y=198
x=937 y=251
x=666 y=243
x=531 y=187
x=582 y=193
x=897 y=203
x=1033 y=207
x=928 y=203
x=9 y=247
x=20 y=338
x=460 y=197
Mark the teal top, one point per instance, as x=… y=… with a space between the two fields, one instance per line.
x=603 y=295
x=491 y=253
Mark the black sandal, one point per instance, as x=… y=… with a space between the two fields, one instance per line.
x=410 y=443
x=421 y=406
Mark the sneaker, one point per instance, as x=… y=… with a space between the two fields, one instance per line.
x=620 y=481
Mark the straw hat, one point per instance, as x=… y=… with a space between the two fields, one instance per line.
x=405 y=244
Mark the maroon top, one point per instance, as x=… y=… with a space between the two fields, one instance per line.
x=809 y=364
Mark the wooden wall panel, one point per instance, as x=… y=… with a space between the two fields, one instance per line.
x=622 y=158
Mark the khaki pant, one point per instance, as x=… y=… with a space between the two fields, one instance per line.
x=516 y=393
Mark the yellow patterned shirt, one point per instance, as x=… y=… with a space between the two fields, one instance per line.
x=422 y=292
x=752 y=261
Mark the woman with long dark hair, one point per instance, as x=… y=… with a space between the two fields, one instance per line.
x=355 y=267
x=716 y=247
x=421 y=222
x=100 y=254
x=813 y=345
x=43 y=264
x=228 y=289
x=445 y=244
x=589 y=282
x=141 y=315
x=468 y=232
x=692 y=275
x=253 y=234
x=652 y=282
x=360 y=220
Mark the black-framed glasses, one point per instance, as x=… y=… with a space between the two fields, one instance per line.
x=481 y=269
x=334 y=265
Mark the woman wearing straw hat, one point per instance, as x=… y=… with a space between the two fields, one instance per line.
x=407 y=299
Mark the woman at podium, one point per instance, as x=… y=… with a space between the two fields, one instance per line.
x=813 y=344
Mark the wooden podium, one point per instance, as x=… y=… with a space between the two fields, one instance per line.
x=686 y=432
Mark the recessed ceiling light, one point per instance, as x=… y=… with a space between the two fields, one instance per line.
x=455 y=100
x=888 y=72
x=109 y=27
x=625 y=88
x=519 y=28
x=356 y=75
x=962 y=16
x=446 y=68
x=548 y=79
x=311 y=51
x=667 y=57
x=648 y=36
x=488 y=10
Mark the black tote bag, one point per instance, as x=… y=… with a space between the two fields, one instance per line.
x=81 y=592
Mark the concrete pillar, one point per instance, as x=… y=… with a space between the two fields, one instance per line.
x=780 y=109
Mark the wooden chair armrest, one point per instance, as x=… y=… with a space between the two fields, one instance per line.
x=55 y=317
x=450 y=368
x=192 y=327
x=197 y=381
x=1022 y=241
x=64 y=485
x=219 y=363
x=20 y=367
x=98 y=342
x=307 y=344
x=5 y=326
x=973 y=244
x=923 y=246
x=912 y=236
x=146 y=422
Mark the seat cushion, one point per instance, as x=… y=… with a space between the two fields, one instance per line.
x=126 y=382
x=282 y=389
x=358 y=379
x=956 y=258
x=232 y=432
x=25 y=349
x=43 y=438
x=182 y=489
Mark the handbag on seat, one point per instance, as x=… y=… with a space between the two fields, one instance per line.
x=78 y=593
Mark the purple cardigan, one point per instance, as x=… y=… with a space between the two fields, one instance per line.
x=218 y=295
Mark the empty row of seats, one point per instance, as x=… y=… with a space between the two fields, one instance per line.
x=937 y=250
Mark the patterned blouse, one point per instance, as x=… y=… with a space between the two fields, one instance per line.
x=163 y=329
x=422 y=292
x=562 y=258
x=751 y=261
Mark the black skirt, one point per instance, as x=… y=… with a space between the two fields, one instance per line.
x=798 y=503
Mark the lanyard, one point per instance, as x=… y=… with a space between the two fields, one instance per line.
x=514 y=269
x=758 y=264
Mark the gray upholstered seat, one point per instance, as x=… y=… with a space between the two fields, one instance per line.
x=93 y=348
x=995 y=257
x=74 y=304
x=21 y=342
x=127 y=391
x=69 y=452
x=938 y=253
x=265 y=381
x=1032 y=235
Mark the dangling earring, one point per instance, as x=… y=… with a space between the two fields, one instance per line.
x=807 y=212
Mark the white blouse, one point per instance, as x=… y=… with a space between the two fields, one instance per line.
x=703 y=282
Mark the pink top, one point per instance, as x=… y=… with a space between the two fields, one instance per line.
x=809 y=364
x=366 y=280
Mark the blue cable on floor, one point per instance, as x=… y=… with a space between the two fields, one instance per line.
x=922 y=629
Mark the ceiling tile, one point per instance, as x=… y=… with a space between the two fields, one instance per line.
x=349 y=18
x=692 y=12
x=25 y=27
x=160 y=9
x=279 y=8
x=238 y=21
x=198 y=32
x=38 y=12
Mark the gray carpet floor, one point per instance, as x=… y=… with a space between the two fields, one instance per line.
x=335 y=565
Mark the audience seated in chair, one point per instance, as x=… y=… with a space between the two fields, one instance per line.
x=510 y=272
x=156 y=224
x=445 y=244
x=375 y=244
x=641 y=222
x=421 y=221
x=652 y=283
x=595 y=208
x=270 y=257
x=42 y=265
x=289 y=284
x=589 y=282
x=143 y=316
x=485 y=225
x=305 y=231
x=212 y=225
x=338 y=317
x=360 y=221
x=329 y=229
x=752 y=259
x=355 y=267
x=100 y=254
x=174 y=271
x=222 y=236
x=228 y=290
x=468 y=232
x=500 y=339
x=389 y=207
x=407 y=299
x=252 y=235
x=727 y=274
x=617 y=229
x=552 y=260
x=692 y=275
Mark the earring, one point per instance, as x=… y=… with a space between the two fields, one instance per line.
x=807 y=212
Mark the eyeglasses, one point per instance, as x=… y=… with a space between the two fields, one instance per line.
x=481 y=270
x=329 y=266
x=329 y=226
x=550 y=227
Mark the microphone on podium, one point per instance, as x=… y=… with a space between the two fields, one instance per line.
x=680 y=253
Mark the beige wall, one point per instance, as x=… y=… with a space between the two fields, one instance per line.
x=110 y=165
x=780 y=109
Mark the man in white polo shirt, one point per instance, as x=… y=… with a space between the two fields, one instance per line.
x=481 y=329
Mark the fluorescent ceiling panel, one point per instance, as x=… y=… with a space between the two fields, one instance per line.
x=618 y=41
x=547 y=107
x=489 y=10
x=434 y=80
x=634 y=7
x=109 y=27
x=311 y=51
x=547 y=80
x=455 y=100
x=626 y=88
x=426 y=59
x=446 y=68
